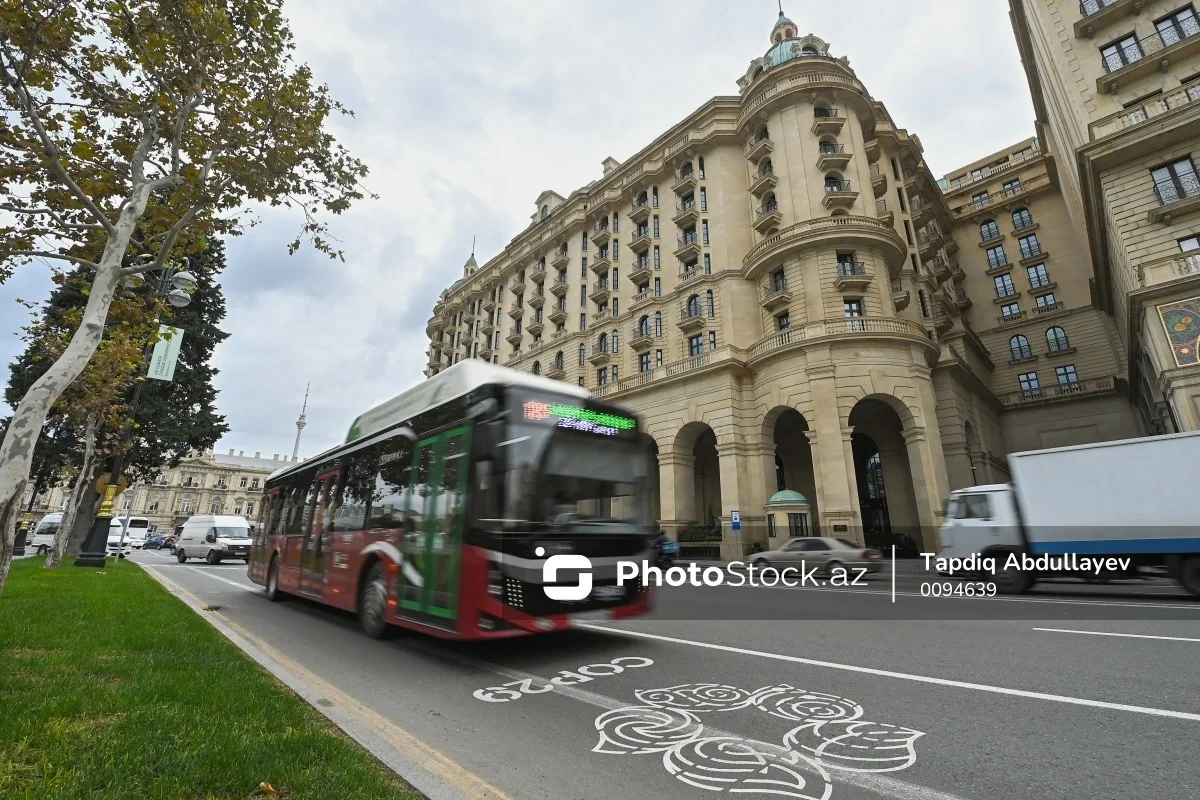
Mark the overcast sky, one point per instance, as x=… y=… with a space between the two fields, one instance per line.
x=467 y=109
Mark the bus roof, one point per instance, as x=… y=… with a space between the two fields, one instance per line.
x=449 y=384
x=453 y=382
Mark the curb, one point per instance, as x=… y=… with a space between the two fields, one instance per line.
x=349 y=715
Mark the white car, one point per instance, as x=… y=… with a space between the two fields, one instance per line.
x=114 y=542
x=136 y=540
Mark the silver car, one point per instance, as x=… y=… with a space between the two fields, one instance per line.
x=825 y=552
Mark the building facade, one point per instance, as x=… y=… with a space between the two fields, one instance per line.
x=791 y=301
x=202 y=483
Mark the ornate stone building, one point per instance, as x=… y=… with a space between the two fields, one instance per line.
x=790 y=299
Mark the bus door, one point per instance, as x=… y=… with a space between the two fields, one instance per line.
x=433 y=538
x=268 y=512
x=317 y=536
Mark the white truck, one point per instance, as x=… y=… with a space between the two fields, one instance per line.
x=1098 y=512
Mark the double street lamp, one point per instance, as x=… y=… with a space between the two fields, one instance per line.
x=173 y=284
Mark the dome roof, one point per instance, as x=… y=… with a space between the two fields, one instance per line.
x=471 y=262
x=780 y=53
x=787 y=497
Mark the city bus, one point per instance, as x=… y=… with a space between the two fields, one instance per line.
x=439 y=511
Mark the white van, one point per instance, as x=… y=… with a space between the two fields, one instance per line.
x=42 y=540
x=213 y=537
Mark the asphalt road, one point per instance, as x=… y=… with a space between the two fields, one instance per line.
x=1024 y=704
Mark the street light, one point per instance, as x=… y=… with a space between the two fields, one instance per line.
x=174 y=285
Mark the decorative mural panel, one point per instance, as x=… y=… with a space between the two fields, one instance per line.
x=1182 y=323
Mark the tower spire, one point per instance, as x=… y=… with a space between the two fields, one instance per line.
x=300 y=423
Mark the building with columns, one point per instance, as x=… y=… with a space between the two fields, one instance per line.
x=791 y=300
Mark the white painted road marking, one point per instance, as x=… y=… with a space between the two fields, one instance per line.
x=979 y=687
x=1123 y=635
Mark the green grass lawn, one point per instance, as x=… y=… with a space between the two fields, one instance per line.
x=112 y=688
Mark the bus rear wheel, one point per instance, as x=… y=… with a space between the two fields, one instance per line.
x=372 y=604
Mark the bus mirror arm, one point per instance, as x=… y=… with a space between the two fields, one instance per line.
x=485 y=408
x=407 y=433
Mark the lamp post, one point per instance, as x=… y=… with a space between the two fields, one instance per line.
x=174 y=284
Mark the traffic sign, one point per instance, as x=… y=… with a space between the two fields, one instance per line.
x=735 y=519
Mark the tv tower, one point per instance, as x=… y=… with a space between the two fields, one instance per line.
x=300 y=423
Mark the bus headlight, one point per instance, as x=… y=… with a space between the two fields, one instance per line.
x=495 y=583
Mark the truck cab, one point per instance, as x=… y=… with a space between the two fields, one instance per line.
x=979 y=519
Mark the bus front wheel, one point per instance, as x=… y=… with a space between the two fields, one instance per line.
x=372 y=604
x=273 y=593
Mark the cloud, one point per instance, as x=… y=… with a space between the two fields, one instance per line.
x=465 y=110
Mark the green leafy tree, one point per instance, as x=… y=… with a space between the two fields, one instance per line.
x=142 y=128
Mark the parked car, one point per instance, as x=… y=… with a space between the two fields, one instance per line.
x=115 y=548
x=154 y=542
x=825 y=552
x=168 y=544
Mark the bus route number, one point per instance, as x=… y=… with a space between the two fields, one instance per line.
x=514 y=689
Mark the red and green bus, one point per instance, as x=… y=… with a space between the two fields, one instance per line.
x=440 y=509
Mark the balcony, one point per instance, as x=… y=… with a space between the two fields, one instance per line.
x=1047 y=308
x=686 y=213
x=600 y=317
x=852 y=276
x=776 y=295
x=879 y=181
x=1165 y=270
x=639 y=271
x=834 y=156
x=1032 y=254
x=1008 y=319
x=518 y=286
x=881 y=210
x=537 y=299
x=538 y=273
x=559 y=287
x=941 y=269
x=762 y=180
x=956 y=272
x=516 y=312
x=941 y=320
x=514 y=336
x=599 y=355
x=602 y=264
x=928 y=243
x=487 y=325
x=558 y=313
x=468 y=317
x=758 y=147
x=600 y=292
x=601 y=234
x=1154 y=53
x=685 y=181
x=640 y=241
x=831 y=121
x=1063 y=391
x=998 y=267
x=900 y=295
x=767 y=216
x=689 y=275
x=1176 y=196
x=842 y=327
x=561 y=259
x=556 y=372
x=962 y=299
x=688 y=247
x=1098 y=13
x=692 y=319
x=641 y=339
x=922 y=212
x=640 y=212
x=535 y=327
x=839 y=195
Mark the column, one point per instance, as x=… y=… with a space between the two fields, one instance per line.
x=833 y=466
x=676 y=492
x=929 y=495
x=735 y=492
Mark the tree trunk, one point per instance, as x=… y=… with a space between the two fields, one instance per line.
x=63 y=540
x=16 y=452
x=85 y=515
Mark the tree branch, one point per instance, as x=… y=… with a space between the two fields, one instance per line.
x=58 y=220
x=62 y=256
x=51 y=150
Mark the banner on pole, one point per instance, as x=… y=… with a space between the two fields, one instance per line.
x=166 y=353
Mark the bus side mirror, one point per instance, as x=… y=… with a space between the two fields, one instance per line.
x=407 y=433
x=484 y=408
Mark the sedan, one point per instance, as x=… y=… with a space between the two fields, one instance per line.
x=825 y=552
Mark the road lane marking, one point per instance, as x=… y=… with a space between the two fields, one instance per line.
x=1123 y=635
x=979 y=687
x=407 y=750
x=873 y=782
x=206 y=573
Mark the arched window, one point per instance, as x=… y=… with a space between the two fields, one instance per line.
x=757 y=71
x=988 y=229
x=841 y=212
x=1019 y=345
x=614 y=341
x=710 y=303
x=700 y=164
x=603 y=341
x=642 y=199
x=658 y=323
x=693 y=306
x=765 y=167
x=778 y=37
x=686 y=169
x=1022 y=218
x=828 y=145
x=545 y=211
x=763 y=133
x=833 y=182
x=643 y=326
x=1056 y=339
x=809 y=50
x=769 y=204
x=822 y=111
x=558 y=360
x=537 y=368
x=563 y=249
x=582 y=354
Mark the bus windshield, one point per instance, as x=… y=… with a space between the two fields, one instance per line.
x=558 y=477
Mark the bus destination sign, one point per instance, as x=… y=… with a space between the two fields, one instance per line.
x=580 y=419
